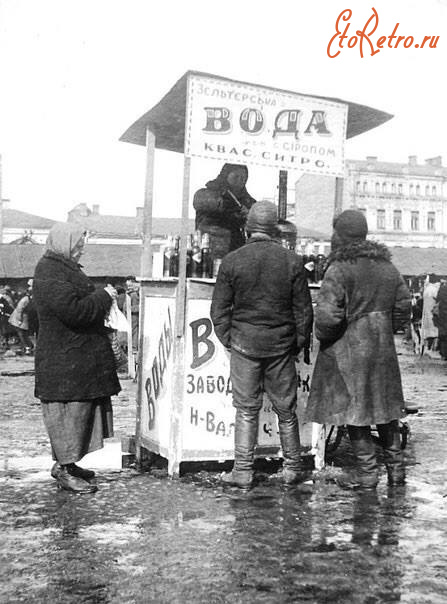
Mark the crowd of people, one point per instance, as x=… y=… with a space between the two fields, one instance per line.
x=19 y=322
x=427 y=329
x=262 y=314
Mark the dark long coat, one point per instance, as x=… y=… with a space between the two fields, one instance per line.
x=356 y=380
x=218 y=214
x=261 y=303
x=74 y=359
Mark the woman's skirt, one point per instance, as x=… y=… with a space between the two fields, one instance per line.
x=77 y=428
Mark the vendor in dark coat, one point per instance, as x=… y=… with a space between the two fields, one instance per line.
x=357 y=379
x=222 y=208
x=74 y=362
x=262 y=313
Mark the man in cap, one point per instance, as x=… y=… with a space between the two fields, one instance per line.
x=262 y=313
x=356 y=381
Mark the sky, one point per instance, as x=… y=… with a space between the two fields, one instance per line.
x=75 y=74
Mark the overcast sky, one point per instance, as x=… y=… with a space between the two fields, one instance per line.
x=75 y=74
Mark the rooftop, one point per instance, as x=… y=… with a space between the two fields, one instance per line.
x=19 y=261
x=432 y=166
x=112 y=226
x=16 y=219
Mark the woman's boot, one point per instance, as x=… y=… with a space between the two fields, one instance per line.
x=292 y=469
x=394 y=457
x=245 y=437
x=68 y=482
x=74 y=470
x=366 y=474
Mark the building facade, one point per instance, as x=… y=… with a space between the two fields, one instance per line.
x=405 y=204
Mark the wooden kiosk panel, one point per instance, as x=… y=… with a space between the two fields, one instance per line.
x=157 y=364
x=184 y=403
x=206 y=410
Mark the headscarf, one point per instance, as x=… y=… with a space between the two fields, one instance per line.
x=63 y=238
x=220 y=183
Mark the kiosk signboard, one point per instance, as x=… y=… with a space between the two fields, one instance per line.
x=249 y=124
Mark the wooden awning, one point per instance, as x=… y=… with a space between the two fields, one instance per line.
x=167 y=119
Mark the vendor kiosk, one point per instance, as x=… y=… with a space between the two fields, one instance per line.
x=184 y=401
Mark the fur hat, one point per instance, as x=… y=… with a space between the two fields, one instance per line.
x=350 y=225
x=263 y=218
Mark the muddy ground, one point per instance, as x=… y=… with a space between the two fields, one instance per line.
x=145 y=538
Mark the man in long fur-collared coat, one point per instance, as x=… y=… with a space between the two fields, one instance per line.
x=357 y=381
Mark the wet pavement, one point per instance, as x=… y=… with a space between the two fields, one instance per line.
x=145 y=538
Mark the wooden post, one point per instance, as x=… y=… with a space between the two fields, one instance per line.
x=130 y=358
x=338 y=202
x=175 y=436
x=146 y=256
x=181 y=287
x=282 y=195
x=145 y=273
x=318 y=445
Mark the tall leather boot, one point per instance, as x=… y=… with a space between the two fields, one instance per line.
x=394 y=458
x=245 y=437
x=289 y=436
x=366 y=473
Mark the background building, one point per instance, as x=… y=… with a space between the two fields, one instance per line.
x=405 y=204
x=123 y=230
x=21 y=227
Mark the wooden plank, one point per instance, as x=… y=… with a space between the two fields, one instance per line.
x=181 y=288
x=282 y=194
x=338 y=201
x=146 y=256
x=318 y=445
x=130 y=359
x=146 y=271
x=176 y=436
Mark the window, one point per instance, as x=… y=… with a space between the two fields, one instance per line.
x=381 y=219
x=415 y=221
x=411 y=189
x=418 y=190
x=377 y=187
x=427 y=189
x=400 y=189
x=384 y=187
x=365 y=187
x=433 y=191
x=397 y=220
x=393 y=189
x=363 y=211
x=357 y=186
x=431 y=217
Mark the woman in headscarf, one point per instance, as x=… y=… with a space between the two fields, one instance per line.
x=74 y=362
x=222 y=208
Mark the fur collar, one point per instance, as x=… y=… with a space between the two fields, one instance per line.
x=360 y=249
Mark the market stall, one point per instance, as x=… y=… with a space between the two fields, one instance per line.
x=184 y=410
